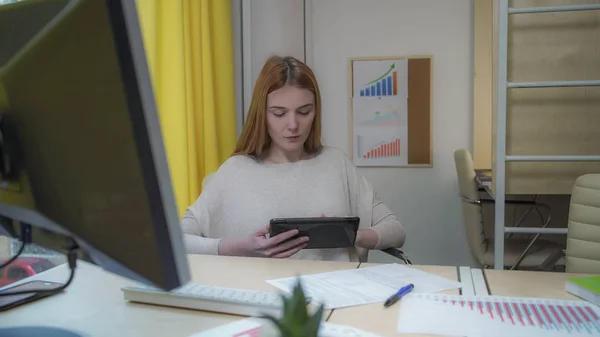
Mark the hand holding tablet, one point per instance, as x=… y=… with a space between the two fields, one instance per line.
x=323 y=232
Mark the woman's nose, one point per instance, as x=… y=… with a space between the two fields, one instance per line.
x=293 y=122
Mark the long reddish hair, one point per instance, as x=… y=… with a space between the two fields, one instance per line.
x=276 y=73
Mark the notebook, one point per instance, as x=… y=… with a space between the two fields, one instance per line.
x=587 y=288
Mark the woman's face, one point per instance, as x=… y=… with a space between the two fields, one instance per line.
x=290 y=113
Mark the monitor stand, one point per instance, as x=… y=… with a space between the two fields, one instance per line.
x=36 y=331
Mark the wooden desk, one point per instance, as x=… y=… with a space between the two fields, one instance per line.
x=483 y=178
x=529 y=284
x=251 y=273
x=93 y=304
x=377 y=319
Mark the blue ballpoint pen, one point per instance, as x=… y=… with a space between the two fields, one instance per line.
x=394 y=298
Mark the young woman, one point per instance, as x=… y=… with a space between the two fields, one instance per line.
x=280 y=169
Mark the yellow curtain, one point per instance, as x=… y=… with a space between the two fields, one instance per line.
x=189 y=47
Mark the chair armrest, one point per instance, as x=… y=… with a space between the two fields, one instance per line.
x=512 y=202
x=397 y=253
x=551 y=260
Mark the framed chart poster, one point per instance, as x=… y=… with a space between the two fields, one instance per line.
x=390 y=111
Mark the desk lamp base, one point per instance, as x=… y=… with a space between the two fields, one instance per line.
x=36 y=331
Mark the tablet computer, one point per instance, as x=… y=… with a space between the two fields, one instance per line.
x=323 y=232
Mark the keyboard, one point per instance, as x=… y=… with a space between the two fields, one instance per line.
x=209 y=298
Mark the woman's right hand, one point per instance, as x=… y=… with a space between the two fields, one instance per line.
x=261 y=245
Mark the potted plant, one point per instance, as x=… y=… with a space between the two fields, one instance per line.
x=296 y=320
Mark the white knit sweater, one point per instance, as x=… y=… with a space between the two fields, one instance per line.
x=245 y=194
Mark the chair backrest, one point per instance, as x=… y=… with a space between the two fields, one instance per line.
x=583 y=238
x=472 y=212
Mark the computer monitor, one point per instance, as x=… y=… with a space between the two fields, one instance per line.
x=82 y=153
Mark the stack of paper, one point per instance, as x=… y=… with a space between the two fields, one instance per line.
x=352 y=287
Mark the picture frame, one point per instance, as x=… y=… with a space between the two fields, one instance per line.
x=391 y=103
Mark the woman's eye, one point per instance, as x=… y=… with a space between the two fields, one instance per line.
x=304 y=112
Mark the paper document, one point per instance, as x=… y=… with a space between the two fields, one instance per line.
x=495 y=316
x=352 y=287
x=248 y=327
x=253 y=327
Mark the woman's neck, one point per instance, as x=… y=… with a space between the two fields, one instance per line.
x=279 y=156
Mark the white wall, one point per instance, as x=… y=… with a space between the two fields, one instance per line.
x=277 y=27
x=262 y=28
x=425 y=199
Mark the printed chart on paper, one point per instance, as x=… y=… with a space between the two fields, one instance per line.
x=494 y=316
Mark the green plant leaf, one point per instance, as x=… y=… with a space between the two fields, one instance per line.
x=314 y=323
x=296 y=320
x=284 y=330
x=299 y=308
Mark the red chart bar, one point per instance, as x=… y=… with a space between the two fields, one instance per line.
x=385 y=150
x=508 y=313
x=490 y=310
x=499 y=311
x=592 y=313
x=518 y=312
x=526 y=312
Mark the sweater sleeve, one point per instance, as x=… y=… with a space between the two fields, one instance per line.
x=195 y=226
x=389 y=229
x=373 y=213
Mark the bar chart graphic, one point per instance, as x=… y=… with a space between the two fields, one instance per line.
x=502 y=316
x=384 y=85
x=558 y=317
x=380 y=149
x=384 y=149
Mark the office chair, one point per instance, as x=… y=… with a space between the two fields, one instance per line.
x=518 y=252
x=395 y=252
x=583 y=238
